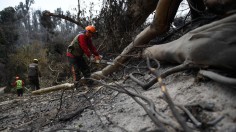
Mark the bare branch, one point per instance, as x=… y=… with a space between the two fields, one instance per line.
x=48 y=13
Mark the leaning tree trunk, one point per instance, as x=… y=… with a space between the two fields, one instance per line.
x=197 y=8
x=165 y=12
x=138 y=11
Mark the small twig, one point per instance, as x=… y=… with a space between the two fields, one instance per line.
x=58 y=110
x=143 y=85
x=172 y=106
x=193 y=119
x=70 y=116
x=167 y=96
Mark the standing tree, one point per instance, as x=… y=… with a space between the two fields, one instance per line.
x=8 y=38
x=23 y=12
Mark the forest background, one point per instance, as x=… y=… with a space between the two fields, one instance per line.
x=26 y=34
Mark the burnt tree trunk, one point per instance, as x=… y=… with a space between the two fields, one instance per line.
x=138 y=11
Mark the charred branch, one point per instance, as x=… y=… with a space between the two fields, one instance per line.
x=73 y=115
x=168 y=72
x=48 y=13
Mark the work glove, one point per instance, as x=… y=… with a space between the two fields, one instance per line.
x=97 y=59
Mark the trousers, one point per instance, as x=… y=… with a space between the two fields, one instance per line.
x=34 y=82
x=79 y=65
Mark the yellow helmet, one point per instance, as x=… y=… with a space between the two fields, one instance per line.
x=91 y=29
x=35 y=60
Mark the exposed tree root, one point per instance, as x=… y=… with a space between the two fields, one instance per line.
x=218 y=78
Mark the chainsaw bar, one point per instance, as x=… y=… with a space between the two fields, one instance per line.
x=103 y=62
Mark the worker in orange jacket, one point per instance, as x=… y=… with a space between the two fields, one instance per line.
x=78 y=52
x=19 y=84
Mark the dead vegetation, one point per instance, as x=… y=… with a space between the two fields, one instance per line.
x=177 y=99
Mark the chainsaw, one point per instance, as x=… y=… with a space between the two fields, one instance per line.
x=102 y=61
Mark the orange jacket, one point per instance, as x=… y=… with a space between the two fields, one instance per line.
x=86 y=45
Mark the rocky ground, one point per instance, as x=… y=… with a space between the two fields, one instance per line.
x=102 y=109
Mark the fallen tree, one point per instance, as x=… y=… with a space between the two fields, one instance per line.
x=54 y=88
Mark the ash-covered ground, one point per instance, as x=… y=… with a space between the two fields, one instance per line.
x=104 y=109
